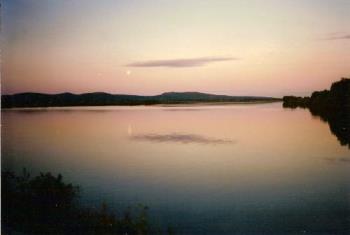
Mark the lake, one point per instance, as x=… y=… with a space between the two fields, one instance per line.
x=210 y=169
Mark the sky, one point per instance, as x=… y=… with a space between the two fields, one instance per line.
x=242 y=47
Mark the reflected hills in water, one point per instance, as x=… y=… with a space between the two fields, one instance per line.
x=332 y=106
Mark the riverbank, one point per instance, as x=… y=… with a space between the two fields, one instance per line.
x=332 y=106
x=45 y=204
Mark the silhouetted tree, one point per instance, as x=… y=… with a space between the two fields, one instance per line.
x=333 y=106
x=46 y=205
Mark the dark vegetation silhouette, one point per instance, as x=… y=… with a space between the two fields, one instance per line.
x=46 y=205
x=102 y=99
x=332 y=106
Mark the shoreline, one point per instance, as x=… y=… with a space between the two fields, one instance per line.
x=147 y=105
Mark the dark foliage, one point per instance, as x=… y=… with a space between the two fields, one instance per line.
x=46 y=205
x=294 y=102
x=102 y=99
x=338 y=121
x=333 y=106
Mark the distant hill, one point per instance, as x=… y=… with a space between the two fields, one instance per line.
x=101 y=98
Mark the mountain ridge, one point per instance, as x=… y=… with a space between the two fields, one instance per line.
x=33 y=99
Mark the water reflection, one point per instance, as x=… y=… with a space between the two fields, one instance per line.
x=180 y=138
x=266 y=172
x=338 y=160
x=339 y=123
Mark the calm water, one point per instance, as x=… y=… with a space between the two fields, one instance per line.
x=233 y=169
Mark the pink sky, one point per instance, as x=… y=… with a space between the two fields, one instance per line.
x=149 y=47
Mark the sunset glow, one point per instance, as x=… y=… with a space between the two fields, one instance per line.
x=255 y=47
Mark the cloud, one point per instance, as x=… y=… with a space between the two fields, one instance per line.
x=180 y=138
x=337 y=36
x=180 y=63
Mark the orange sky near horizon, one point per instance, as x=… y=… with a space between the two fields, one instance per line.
x=269 y=48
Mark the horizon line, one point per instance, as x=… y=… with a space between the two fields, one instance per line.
x=129 y=94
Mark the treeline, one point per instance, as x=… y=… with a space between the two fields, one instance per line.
x=103 y=99
x=332 y=106
x=295 y=101
x=337 y=98
x=46 y=205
